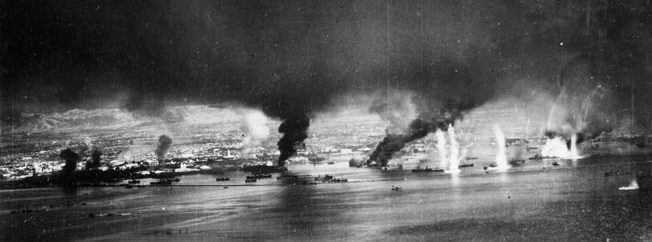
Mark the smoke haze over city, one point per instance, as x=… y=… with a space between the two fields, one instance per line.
x=341 y=120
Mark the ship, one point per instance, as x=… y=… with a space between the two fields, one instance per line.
x=222 y=179
x=419 y=169
x=260 y=169
x=465 y=165
x=293 y=180
x=330 y=179
x=260 y=176
x=250 y=179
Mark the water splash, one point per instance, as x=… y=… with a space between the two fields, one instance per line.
x=574 y=153
x=632 y=186
x=556 y=148
x=455 y=179
x=441 y=147
x=501 y=154
x=453 y=159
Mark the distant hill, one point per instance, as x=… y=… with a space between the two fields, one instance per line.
x=75 y=118
x=118 y=118
x=38 y=122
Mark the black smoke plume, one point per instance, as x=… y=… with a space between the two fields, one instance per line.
x=71 y=158
x=294 y=131
x=94 y=163
x=162 y=147
x=291 y=58
x=419 y=128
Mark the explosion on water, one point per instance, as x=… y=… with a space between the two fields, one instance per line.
x=501 y=154
x=557 y=147
x=633 y=185
x=441 y=147
x=454 y=158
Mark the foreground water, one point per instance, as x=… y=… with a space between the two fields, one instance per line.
x=573 y=201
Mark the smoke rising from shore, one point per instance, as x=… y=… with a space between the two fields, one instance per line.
x=417 y=129
x=395 y=107
x=253 y=125
x=162 y=147
x=291 y=58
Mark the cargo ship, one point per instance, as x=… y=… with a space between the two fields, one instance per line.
x=419 y=169
x=263 y=169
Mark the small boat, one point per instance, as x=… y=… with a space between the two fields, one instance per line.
x=554 y=163
x=250 y=179
x=331 y=162
x=465 y=165
x=129 y=186
x=396 y=188
x=521 y=161
x=134 y=181
x=222 y=179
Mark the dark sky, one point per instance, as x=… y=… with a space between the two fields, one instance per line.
x=290 y=58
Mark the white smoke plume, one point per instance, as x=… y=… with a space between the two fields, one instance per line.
x=254 y=128
x=397 y=108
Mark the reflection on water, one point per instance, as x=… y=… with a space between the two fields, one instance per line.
x=572 y=201
x=455 y=179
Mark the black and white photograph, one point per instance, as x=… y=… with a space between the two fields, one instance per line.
x=325 y=120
